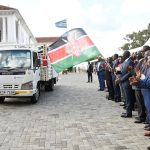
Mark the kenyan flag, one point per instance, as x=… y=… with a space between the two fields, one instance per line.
x=71 y=49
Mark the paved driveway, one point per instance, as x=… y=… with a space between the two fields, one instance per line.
x=75 y=116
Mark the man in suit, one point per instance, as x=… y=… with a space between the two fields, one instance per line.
x=126 y=73
x=143 y=82
x=89 y=72
x=108 y=78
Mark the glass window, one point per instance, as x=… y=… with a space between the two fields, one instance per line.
x=15 y=59
x=34 y=59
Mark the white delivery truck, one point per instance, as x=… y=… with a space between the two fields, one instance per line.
x=23 y=71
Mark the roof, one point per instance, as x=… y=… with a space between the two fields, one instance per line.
x=6 y=8
x=46 y=39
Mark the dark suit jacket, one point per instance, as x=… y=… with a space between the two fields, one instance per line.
x=90 y=68
x=125 y=73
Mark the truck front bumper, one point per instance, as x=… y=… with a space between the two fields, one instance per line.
x=16 y=93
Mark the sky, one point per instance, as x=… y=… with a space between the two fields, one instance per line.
x=106 y=22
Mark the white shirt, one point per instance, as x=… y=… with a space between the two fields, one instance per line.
x=97 y=66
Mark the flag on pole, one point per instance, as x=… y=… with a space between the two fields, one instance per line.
x=61 y=24
x=72 y=48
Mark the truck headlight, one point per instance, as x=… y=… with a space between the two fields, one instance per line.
x=27 y=86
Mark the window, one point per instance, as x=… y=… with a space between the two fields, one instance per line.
x=15 y=58
x=1 y=29
x=34 y=59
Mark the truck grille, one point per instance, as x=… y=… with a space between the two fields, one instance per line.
x=9 y=86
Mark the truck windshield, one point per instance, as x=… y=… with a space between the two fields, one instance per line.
x=15 y=59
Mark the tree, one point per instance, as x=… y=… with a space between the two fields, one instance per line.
x=136 y=39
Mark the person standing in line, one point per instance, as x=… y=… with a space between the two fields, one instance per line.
x=138 y=94
x=108 y=78
x=126 y=73
x=101 y=74
x=117 y=93
x=97 y=64
x=89 y=72
x=144 y=85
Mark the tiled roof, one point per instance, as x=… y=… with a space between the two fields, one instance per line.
x=46 y=39
x=6 y=8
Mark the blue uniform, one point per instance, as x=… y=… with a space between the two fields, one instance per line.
x=145 y=88
x=101 y=74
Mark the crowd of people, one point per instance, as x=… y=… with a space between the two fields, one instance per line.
x=127 y=79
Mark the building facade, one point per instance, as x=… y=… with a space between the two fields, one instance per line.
x=13 y=29
x=46 y=40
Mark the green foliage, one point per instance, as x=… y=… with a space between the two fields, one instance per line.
x=136 y=39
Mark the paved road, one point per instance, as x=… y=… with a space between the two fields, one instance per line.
x=75 y=116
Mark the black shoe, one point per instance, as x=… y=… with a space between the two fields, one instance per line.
x=124 y=113
x=126 y=116
x=148 y=148
x=122 y=104
x=145 y=122
x=137 y=118
x=101 y=89
x=124 y=107
x=110 y=98
x=139 y=121
x=118 y=100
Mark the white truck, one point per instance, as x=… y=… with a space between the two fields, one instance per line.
x=23 y=72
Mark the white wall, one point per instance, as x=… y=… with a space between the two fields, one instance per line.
x=24 y=34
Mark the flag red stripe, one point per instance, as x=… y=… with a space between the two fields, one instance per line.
x=61 y=52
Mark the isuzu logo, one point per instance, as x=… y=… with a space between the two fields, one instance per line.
x=6 y=73
x=18 y=77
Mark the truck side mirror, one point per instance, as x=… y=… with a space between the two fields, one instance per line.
x=38 y=62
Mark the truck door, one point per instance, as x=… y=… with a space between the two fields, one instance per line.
x=36 y=70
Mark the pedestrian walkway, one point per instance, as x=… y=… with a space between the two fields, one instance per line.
x=75 y=116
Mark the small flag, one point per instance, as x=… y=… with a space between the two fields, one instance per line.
x=72 y=48
x=61 y=24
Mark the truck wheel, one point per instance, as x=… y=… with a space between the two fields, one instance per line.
x=50 y=85
x=2 y=99
x=35 y=97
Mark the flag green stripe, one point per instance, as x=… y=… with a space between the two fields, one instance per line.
x=68 y=62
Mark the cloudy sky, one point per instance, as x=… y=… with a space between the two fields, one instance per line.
x=105 y=21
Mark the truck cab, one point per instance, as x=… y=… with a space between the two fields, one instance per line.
x=19 y=74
